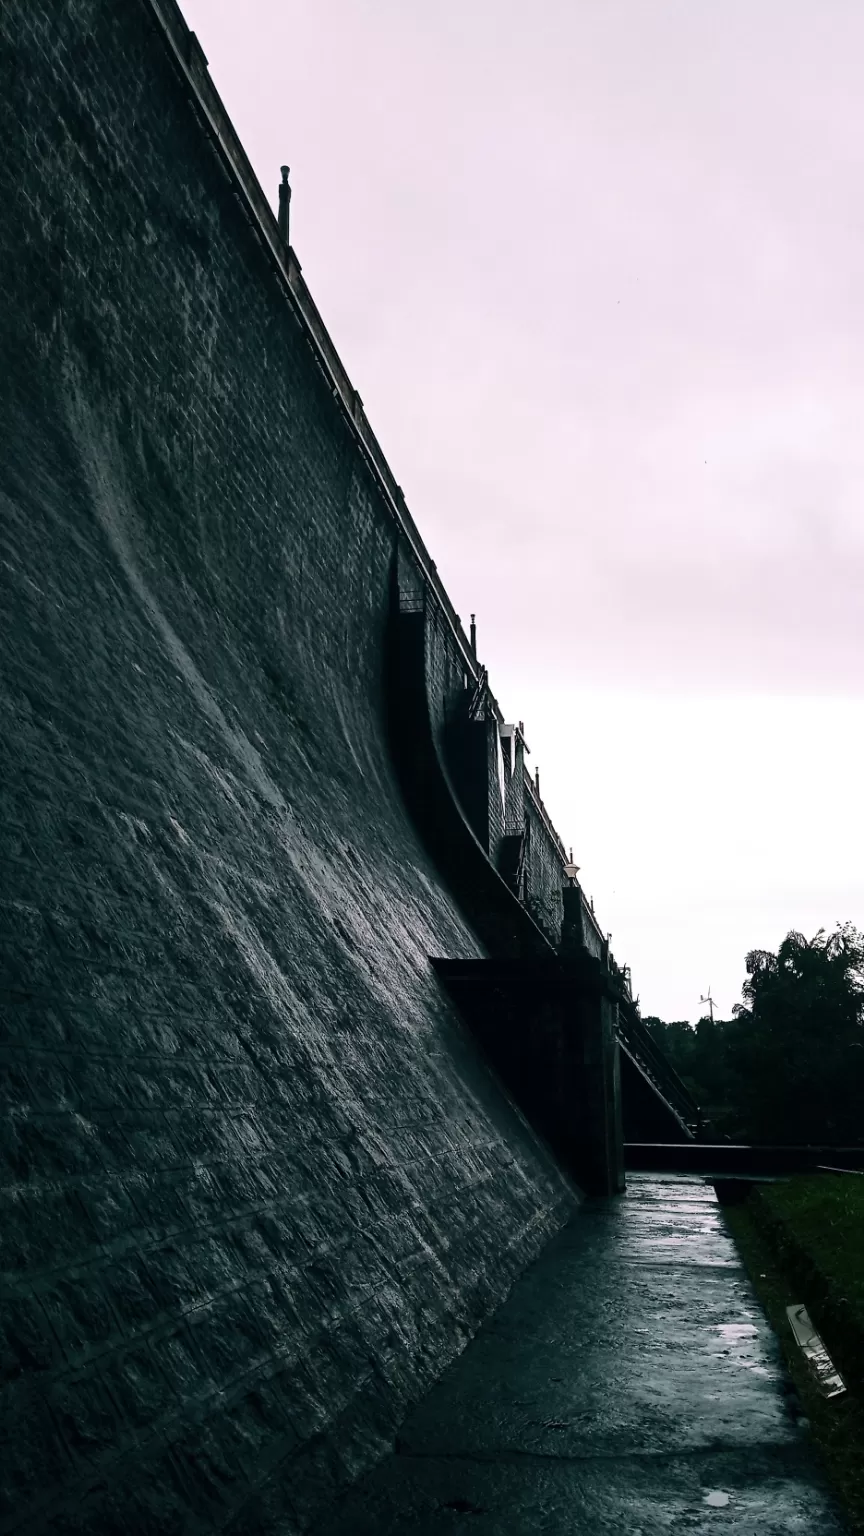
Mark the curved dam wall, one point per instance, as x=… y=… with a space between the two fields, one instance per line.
x=258 y=1184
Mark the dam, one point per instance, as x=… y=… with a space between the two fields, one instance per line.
x=312 y=1042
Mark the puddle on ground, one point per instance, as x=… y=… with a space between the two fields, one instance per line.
x=733 y=1331
x=736 y=1337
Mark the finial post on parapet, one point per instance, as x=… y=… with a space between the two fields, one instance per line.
x=473 y=635
x=537 y=780
x=284 y=202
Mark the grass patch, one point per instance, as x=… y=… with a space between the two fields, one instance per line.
x=802 y=1240
x=816 y=1225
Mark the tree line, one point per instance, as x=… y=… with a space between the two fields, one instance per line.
x=788 y=1067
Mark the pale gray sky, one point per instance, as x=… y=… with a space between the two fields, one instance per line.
x=597 y=270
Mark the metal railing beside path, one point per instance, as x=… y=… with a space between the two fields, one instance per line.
x=736 y=1160
x=637 y=1040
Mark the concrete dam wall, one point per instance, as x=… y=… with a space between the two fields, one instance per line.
x=259 y=1182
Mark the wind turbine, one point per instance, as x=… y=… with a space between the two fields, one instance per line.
x=710 y=1001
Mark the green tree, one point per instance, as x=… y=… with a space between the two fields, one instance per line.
x=702 y=1056
x=797 y=1057
x=789 y=1066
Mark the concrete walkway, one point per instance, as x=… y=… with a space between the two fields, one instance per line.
x=629 y=1384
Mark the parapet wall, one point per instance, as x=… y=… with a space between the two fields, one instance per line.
x=258 y=1185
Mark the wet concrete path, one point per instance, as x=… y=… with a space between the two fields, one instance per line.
x=629 y=1384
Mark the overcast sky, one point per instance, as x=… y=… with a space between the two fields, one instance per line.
x=596 y=268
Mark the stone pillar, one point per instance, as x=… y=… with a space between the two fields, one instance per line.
x=548 y=1028
x=598 y=1153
